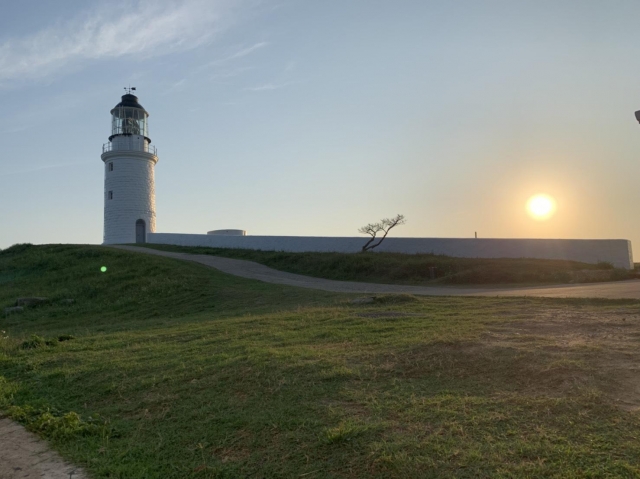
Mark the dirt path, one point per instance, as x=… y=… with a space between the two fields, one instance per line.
x=25 y=455
x=249 y=269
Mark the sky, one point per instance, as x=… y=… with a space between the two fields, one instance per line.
x=292 y=117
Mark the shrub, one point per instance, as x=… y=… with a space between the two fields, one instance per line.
x=34 y=342
x=16 y=248
x=52 y=425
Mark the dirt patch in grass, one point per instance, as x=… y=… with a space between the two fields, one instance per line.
x=583 y=349
x=557 y=352
x=234 y=454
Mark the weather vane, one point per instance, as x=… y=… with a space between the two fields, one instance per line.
x=129 y=89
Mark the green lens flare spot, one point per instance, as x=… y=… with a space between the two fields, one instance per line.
x=103 y=269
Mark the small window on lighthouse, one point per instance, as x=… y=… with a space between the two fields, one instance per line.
x=111 y=195
x=110 y=166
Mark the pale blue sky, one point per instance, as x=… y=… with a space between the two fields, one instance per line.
x=314 y=118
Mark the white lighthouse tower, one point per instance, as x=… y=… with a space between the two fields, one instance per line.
x=129 y=162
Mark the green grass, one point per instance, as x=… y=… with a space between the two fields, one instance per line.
x=170 y=369
x=414 y=269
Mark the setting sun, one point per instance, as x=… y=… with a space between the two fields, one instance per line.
x=541 y=207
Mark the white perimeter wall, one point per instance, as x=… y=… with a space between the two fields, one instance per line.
x=614 y=251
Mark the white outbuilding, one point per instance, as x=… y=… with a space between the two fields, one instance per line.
x=129 y=187
x=227 y=232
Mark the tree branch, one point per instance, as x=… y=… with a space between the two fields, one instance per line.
x=373 y=229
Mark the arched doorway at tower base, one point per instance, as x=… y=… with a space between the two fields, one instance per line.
x=141 y=231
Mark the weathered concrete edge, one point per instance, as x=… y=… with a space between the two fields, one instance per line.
x=618 y=252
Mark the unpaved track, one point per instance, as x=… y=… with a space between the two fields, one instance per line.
x=25 y=455
x=248 y=269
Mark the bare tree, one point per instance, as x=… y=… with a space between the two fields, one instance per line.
x=373 y=229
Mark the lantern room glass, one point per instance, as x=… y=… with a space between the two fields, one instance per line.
x=129 y=121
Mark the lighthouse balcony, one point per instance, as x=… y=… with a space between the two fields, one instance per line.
x=129 y=144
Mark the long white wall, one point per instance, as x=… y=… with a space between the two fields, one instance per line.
x=614 y=251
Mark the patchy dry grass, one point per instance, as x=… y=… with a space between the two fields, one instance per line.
x=585 y=348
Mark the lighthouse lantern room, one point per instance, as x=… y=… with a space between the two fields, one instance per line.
x=129 y=162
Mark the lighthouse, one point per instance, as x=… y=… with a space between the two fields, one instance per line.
x=129 y=162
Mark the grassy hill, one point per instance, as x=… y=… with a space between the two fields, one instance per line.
x=396 y=268
x=168 y=369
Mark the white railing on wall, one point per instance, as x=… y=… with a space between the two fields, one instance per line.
x=133 y=145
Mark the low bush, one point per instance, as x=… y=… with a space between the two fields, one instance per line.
x=56 y=426
x=36 y=342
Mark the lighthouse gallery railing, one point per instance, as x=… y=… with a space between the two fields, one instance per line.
x=135 y=146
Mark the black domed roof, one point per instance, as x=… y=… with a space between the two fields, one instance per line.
x=131 y=101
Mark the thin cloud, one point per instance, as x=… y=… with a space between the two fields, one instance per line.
x=244 y=52
x=176 y=86
x=230 y=73
x=270 y=86
x=239 y=54
x=146 y=29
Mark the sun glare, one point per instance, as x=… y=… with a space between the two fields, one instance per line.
x=541 y=207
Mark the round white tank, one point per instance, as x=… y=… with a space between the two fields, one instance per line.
x=227 y=232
